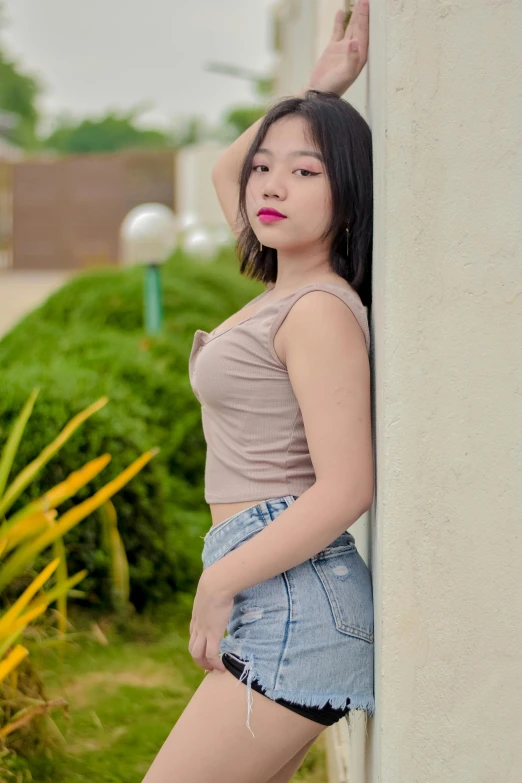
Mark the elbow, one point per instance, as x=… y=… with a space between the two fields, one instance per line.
x=366 y=499
x=366 y=505
x=358 y=505
x=351 y=501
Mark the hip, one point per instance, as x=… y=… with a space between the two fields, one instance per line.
x=330 y=590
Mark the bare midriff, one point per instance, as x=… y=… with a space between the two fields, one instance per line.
x=222 y=511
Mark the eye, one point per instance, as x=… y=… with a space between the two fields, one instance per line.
x=306 y=172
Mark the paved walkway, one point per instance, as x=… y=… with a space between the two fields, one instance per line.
x=21 y=292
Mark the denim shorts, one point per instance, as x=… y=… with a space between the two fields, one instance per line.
x=305 y=635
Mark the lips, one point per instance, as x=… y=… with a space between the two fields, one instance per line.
x=270 y=211
x=269 y=215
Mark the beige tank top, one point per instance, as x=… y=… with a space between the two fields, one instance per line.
x=252 y=424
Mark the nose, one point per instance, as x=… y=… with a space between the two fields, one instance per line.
x=273 y=186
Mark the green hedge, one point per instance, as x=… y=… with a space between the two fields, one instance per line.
x=86 y=341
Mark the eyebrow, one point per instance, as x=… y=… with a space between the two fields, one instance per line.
x=296 y=154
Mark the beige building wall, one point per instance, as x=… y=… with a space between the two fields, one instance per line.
x=442 y=95
x=447 y=329
x=295 y=30
x=195 y=192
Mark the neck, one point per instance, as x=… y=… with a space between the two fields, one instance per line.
x=295 y=269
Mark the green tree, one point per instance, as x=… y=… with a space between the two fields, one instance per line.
x=113 y=131
x=190 y=130
x=239 y=118
x=19 y=93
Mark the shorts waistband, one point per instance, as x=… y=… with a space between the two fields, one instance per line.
x=240 y=526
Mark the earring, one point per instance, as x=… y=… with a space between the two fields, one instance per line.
x=347 y=238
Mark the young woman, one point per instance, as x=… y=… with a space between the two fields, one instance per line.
x=285 y=391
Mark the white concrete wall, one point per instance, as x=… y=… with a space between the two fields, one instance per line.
x=446 y=109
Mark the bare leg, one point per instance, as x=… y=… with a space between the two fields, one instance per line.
x=211 y=743
x=288 y=771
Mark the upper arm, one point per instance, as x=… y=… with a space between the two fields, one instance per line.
x=227 y=191
x=329 y=370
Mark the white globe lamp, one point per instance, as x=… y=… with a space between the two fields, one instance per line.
x=148 y=236
x=200 y=244
x=223 y=236
x=188 y=220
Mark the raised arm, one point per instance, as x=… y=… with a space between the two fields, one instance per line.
x=337 y=68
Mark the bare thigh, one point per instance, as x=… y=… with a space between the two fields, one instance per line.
x=211 y=743
x=287 y=772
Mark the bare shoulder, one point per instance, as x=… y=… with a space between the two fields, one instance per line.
x=322 y=320
x=329 y=371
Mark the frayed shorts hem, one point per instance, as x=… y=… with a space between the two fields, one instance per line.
x=318 y=701
x=325 y=716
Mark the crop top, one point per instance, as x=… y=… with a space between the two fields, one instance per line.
x=252 y=424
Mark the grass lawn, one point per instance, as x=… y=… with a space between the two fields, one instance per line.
x=125 y=696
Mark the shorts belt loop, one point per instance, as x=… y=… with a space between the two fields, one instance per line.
x=264 y=512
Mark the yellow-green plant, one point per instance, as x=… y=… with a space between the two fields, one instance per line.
x=120 y=584
x=37 y=526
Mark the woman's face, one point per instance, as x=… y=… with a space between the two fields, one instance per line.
x=288 y=175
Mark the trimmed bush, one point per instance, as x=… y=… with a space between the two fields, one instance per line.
x=87 y=340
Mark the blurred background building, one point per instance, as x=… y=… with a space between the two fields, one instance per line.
x=62 y=198
x=68 y=211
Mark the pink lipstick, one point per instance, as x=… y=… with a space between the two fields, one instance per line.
x=269 y=215
x=266 y=218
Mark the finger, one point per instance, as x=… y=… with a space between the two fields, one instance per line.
x=351 y=29
x=197 y=650
x=361 y=22
x=348 y=33
x=338 y=28
x=212 y=653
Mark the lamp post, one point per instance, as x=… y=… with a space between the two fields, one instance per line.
x=148 y=236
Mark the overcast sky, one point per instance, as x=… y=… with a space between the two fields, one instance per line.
x=94 y=55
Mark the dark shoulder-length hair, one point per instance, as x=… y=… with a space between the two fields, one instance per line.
x=344 y=139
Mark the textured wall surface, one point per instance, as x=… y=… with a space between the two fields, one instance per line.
x=446 y=115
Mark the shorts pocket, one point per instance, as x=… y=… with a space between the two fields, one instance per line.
x=346 y=580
